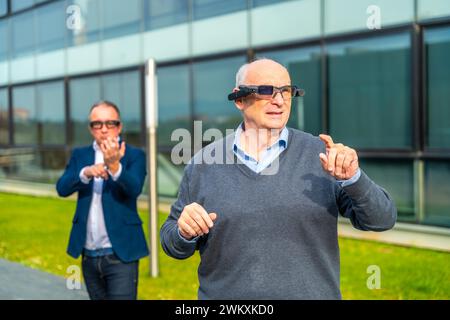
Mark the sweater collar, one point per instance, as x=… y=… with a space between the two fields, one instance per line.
x=282 y=140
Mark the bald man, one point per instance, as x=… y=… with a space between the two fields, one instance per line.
x=265 y=219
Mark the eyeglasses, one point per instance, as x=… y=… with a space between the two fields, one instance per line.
x=110 y=124
x=267 y=92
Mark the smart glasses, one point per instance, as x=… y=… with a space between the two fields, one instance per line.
x=110 y=124
x=267 y=92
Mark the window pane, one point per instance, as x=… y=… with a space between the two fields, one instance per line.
x=4 y=114
x=39 y=114
x=51 y=113
x=163 y=13
x=50 y=164
x=427 y=9
x=437 y=191
x=285 y=22
x=17 y=5
x=169 y=176
x=120 y=17
x=37 y=165
x=173 y=102
x=3 y=7
x=259 y=3
x=438 y=66
x=397 y=178
x=369 y=92
x=25 y=115
x=90 y=22
x=209 y=8
x=351 y=15
x=124 y=89
x=51 y=21
x=23 y=40
x=83 y=94
x=304 y=69
x=4 y=39
x=213 y=81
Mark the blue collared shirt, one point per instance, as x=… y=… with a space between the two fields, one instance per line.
x=269 y=155
x=266 y=157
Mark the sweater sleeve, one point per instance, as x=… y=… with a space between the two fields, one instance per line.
x=172 y=242
x=367 y=205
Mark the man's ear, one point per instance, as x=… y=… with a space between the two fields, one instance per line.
x=239 y=103
x=91 y=131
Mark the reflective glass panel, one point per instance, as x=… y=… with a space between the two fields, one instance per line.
x=437 y=44
x=370 y=92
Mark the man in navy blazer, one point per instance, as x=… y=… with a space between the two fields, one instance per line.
x=107 y=230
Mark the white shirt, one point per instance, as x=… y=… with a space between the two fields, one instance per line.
x=96 y=234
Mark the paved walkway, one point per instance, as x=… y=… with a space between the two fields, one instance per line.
x=18 y=282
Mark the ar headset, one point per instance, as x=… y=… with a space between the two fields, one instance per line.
x=264 y=90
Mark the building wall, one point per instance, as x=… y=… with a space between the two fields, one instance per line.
x=384 y=92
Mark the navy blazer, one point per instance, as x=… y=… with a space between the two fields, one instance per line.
x=119 y=200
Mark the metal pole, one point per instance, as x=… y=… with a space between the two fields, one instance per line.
x=151 y=105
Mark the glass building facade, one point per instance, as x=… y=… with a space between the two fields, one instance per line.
x=384 y=91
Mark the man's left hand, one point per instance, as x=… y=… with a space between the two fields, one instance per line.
x=112 y=153
x=340 y=161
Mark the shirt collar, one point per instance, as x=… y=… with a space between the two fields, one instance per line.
x=282 y=140
x=96 y=146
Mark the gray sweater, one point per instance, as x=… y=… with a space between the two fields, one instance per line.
x=275 y=236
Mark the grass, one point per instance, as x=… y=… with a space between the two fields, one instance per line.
x=34 y=231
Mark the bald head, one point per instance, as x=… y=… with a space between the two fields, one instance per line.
x=263 y=112
x=262 y=71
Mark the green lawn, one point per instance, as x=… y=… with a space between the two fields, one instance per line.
x=34 y=231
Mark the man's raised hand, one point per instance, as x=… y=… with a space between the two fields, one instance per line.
x=112 y=153
x=339 y=161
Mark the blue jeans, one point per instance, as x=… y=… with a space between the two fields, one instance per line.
x=108 y=278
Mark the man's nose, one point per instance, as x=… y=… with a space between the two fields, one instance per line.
x=104 y=129
x=278 y=99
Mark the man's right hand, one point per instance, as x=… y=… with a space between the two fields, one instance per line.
x=195 y=221
x=96 y=171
